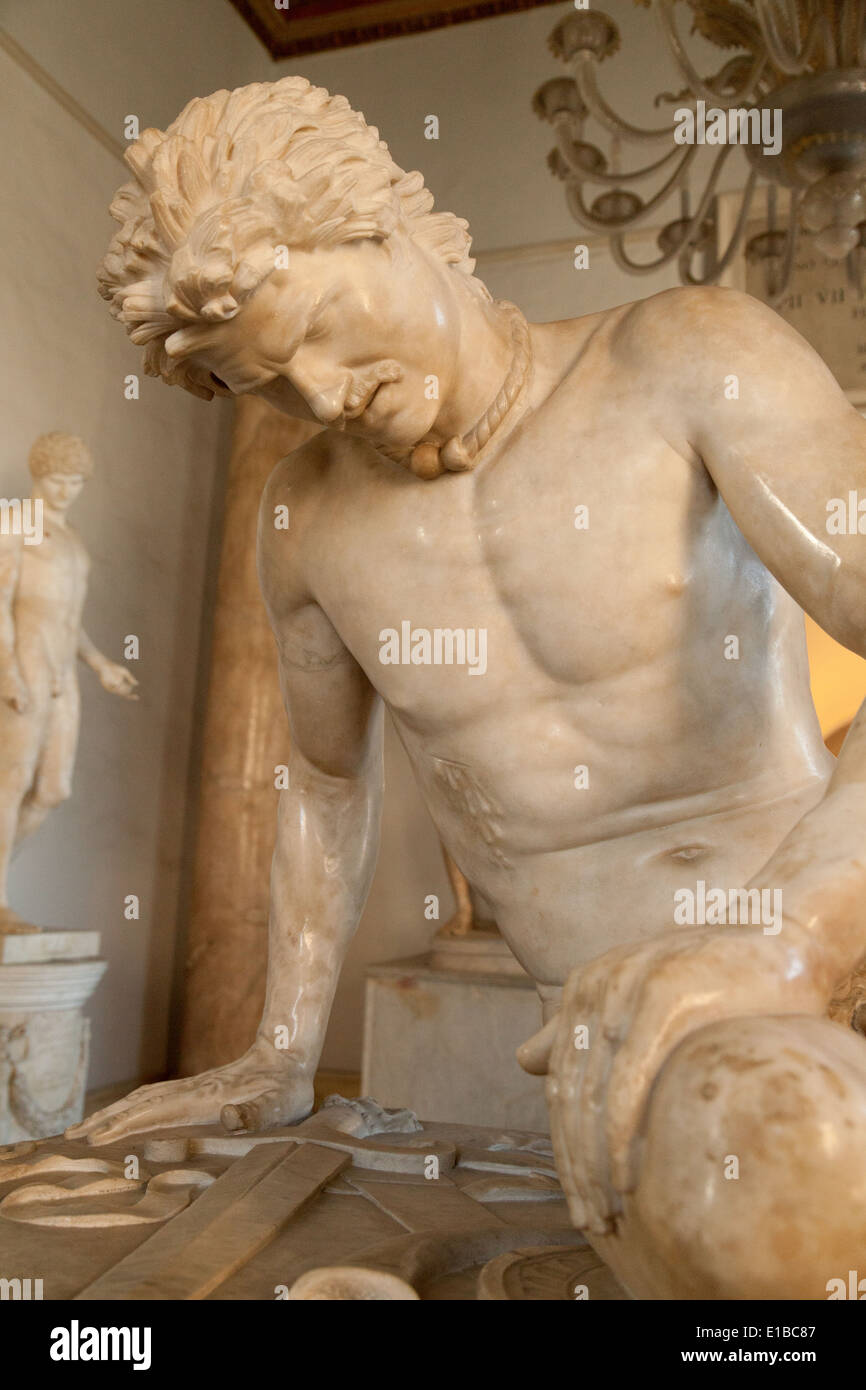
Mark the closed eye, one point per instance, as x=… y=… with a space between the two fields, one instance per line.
x=316 y=326
x=242 y=385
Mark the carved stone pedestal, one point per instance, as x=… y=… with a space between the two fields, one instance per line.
x=46 y=979
x=354 y=1204
x=441 y=1031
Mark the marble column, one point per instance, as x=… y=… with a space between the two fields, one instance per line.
x=245 y=737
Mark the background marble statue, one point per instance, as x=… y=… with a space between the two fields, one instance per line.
x=632 y=507
x=42 y=591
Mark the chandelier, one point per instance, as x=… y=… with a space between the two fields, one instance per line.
x=793 y=81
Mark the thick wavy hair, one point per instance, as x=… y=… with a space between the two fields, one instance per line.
x=60 y=453
x=237 y=175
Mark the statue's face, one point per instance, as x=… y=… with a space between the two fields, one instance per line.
x=361 y=337
x=59 y=490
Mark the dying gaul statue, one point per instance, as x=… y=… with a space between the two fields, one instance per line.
x=631 y=508
x=43 y=583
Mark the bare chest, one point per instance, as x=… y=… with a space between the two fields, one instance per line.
x=55 y=571
x=585 y=550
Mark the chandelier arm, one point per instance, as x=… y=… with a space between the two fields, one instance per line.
x=784 y=57
x=721 y=265
x=844 y=33
x=624 y=261
x=662 y=10
x=790 y=248
x=581 y=212
x=587 y=86
x=684 y=268
x=789 y=19
x=860 y=34
x=794 y=64
x=849 y=33
x=793 y=7
x=709 y=189
x=565 y=142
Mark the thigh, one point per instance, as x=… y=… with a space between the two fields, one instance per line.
x=21 y=738
x=53 y=780
x=753 y=1166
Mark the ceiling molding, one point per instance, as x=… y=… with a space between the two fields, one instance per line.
x=312 y=26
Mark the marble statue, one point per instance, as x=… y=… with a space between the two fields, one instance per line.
x=43 y=582
x=571 y=558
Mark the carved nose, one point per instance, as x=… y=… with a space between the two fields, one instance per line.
x=328 y=405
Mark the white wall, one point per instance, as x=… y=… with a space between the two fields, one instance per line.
x=116 y=57
x=146 y=519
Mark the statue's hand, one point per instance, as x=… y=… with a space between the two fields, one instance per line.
x=117 y=680
x=257 y=1091
x=13 y=690
x=621 y=1018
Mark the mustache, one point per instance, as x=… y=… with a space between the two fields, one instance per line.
x=366 y=383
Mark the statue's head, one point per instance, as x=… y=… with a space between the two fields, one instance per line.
x=269 y=243
x=60 y=465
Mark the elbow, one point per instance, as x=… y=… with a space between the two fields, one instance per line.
x=333 y=774
x=844 y=617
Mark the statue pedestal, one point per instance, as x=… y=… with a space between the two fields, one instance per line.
x=441 y=1031
x=354 y=1203
x=46 y=979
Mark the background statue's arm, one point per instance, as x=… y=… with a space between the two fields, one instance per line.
x=13 y=690
x=116 y=679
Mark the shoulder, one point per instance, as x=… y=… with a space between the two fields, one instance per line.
x=688 y=312
x=287 y=513
x=300 y=475
x=297 y=488
x=332 y=464
x=690 y=352
x=670 y=339
x=296 y=513
x=695 y=324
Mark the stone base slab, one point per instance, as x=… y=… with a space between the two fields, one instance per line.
x=29 y=947
x=443 y=1042
x=476 y=953
x=391 y=1208
x=44 y=1037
